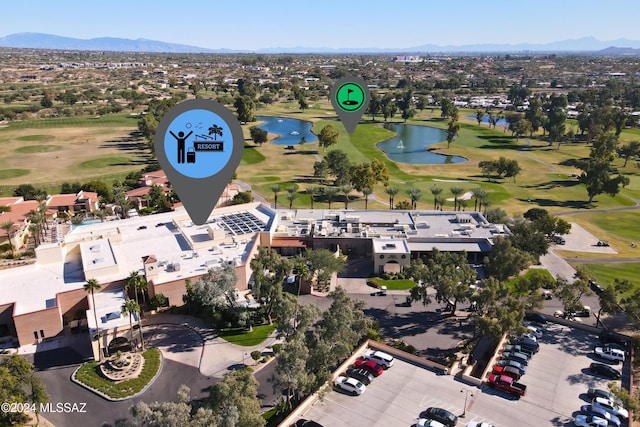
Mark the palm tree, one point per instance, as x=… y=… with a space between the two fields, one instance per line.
x=440 y=201
x=457 y=192
x=131 y=307
x=366 y=191
x=101 y=213
x=134 y=280
x=345 y=190
x=392 y=192
x=435 y=190
x=291 y=197
x=312 y=191
x=34 y=230
x=330 y=193
x=91 y=286
x=478 y=194
x=462 y=203
x=276 y=189
x=7 y=226
x=415 y=195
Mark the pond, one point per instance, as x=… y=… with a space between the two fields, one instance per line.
x=411 y=142
x=485 y=120
x=290 y=130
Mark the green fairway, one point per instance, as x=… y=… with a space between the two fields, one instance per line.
x=241 y=337
x=251 y=156
x=106 y=162
x=13 y=173
x=619 y=228
x=33 y=138
x=38 y=148
x=606 y=273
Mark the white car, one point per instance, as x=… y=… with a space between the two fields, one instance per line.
x=350 y=385
x=535 y=331
x=381 y=358
x=424 y=422
x=590 y=421
x=610 y=353
x=609 y=406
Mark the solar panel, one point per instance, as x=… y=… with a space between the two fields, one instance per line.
x=241 y=223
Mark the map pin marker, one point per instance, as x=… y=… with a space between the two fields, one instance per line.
x=350 y=98
x=199 y=144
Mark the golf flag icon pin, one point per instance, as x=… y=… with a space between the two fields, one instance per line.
x=350 y=98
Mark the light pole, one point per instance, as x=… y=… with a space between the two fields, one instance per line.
x=466 y=392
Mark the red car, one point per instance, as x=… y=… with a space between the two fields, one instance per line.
x=369 y=366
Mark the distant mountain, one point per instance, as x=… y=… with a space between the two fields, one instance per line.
x=614 y=51
x=48 y=41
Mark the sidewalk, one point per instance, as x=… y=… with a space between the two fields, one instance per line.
x=217 y=356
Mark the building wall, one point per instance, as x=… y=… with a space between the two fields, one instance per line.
x=48 y=320
x=6 y=317
x=72 y=301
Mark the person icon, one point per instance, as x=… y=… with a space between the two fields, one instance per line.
x=181 y=138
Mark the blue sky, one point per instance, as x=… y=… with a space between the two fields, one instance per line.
x=251 y=24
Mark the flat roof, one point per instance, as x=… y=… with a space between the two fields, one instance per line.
x=395 y=246
x=469 y=247
x=108 y=308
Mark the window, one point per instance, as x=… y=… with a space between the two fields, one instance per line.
x=35 y=334
x=41 y=333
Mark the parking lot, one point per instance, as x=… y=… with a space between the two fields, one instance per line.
x=557 y=380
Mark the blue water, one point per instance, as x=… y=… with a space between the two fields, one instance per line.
x=290 y=130
x=410 y=143
x=485 y=120
x=86 y=221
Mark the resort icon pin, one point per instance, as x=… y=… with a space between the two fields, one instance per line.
x=350 y=98
x=199 y=144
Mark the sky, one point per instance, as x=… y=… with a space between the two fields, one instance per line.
x=252 y=24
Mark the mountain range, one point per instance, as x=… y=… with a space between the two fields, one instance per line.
x=49 y=41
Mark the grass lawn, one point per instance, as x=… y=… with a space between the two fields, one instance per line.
x=606 y=273
x=241 y=337
x=530 y=274
x=395 y=284
x=89 y=375
x=619 y=228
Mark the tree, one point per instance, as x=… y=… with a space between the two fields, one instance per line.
x=7 y=226
x=259 y=136
x=392 y=192
x=157 y=200
x=479 y=116
x=452 y=132
x=415 y=195
x=29 y=192
x=330 y=194
x=242 y=197
x=570 y=292
x=631 y=149
x=366 y=192
x=134 y=282
x=323 y=263
x=303 y=103
x=608 y=301
x=269 y=271
x=20 y=385
x=598 y=177
x=457 y=192
x=321 y=170
x=170 y=414
x=404 y=205
x=345 y=190
x=478 y=194
x=312 y=191
x=131 y=308
x=340 y=166
x=213 y=292
x=234 y=400
x=374 y=105
x=448 y=273
x=528 y=238
x=275 y=188
x=290 y=372
x=506 y=260
x=291 y=194
x=244 y=108
x=496 y=216
x=328 y=136
x=91 y=286
x=435 y=190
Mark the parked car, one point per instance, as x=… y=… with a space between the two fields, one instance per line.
x=608 y=336
x=518 y=357
x=509 y=371
x=530 y=336
x=507 y=384
x=559 y=240
x=603 y=243
x=605 y=371
x=518 y=349
x=536 y=317
x=595 y=287
x=425 y=422
x=535 y=331
x=362 y=375
x=350 y=385
x=600 y=413
x=590 y=421
x=381 y=358
x=527 y=343
x=538 y=325
x=609 y=353
x=517 y=365
x=307 y=423
x=370 y=366
x=610 y=406
x=598 y=392
x=441 y=415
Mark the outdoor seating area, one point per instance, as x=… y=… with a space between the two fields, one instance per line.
x=122 y=366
